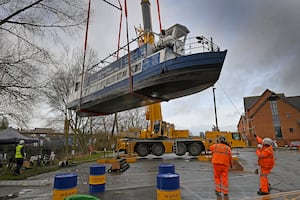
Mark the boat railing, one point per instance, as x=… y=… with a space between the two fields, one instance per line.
x=114 y=56
x=192 y=45
x=200 y=44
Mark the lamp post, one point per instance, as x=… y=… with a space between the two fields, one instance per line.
x=217 y=127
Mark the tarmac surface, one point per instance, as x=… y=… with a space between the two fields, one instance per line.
x=196 y=179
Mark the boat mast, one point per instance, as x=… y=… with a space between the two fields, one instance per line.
x=148 y=35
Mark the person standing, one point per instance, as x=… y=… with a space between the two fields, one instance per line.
x=266 y=162
x=20 y=154
x=221 y=160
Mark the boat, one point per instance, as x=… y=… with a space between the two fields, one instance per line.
x=160 y=71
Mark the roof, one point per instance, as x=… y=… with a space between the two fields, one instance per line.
x=249 y=101
x=293 y=101
x=12 y=136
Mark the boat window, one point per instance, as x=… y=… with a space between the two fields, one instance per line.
x=94 y=88
x=77 y=84
x=119 y=76
x=111 y=79
x=134 y=69
x=86 y=91
x=124 y=74
x=138 y=67
x=102 y=84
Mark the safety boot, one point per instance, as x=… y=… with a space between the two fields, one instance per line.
x=226 y=197
x=259 y=192
x=219 y=196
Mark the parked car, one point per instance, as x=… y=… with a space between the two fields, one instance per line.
x=295 y=145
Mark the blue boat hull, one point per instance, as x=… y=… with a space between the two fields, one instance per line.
x=182 y=76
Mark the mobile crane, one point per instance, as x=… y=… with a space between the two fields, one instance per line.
x=234 y=139
x=161 y=137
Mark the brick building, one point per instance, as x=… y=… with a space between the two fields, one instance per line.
x=271 y=115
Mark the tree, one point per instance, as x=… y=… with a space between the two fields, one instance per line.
x=133 y=120
x=4 y=123
x=59 y=88
x=26 y=31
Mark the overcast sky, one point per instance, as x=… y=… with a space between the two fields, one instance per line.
x=262 y=38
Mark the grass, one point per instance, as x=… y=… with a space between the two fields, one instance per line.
x=7 y=174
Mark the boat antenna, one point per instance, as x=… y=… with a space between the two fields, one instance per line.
x=84 y=52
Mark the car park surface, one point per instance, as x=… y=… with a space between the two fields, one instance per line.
x=196 y=179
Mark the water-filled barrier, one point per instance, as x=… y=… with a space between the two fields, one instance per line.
x=168 y=183
x=64 y=185
x=97 y=179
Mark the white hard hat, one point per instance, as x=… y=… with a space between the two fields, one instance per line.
x=268 y=141
x=222 y=139
x=21 y=142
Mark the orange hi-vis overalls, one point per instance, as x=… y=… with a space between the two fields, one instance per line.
x=266 y=162
x=221 y=160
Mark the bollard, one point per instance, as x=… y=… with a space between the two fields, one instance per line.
x=97 y=179
x=168 y=187
x=64 y=185
x=166 y=169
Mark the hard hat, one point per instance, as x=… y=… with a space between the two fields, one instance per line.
x=268 y=141
x=222 y=139
x=21 y=142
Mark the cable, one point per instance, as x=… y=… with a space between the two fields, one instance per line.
x=229 y=99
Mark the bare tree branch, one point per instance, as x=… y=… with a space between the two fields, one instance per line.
x=26 y=29
x=46 y=26
x=19 y=11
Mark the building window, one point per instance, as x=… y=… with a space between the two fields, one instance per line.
x=275 y=117
x=288 y=115
x=291 y=130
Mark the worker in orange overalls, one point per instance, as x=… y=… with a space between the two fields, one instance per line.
x=266 y=162
x=221 y=160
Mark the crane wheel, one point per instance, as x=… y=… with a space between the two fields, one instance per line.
x=181 y=149
x=194 y=149
x=142 y=150
x=158 y=149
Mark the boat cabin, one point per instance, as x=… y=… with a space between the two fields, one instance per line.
x=174 y=37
